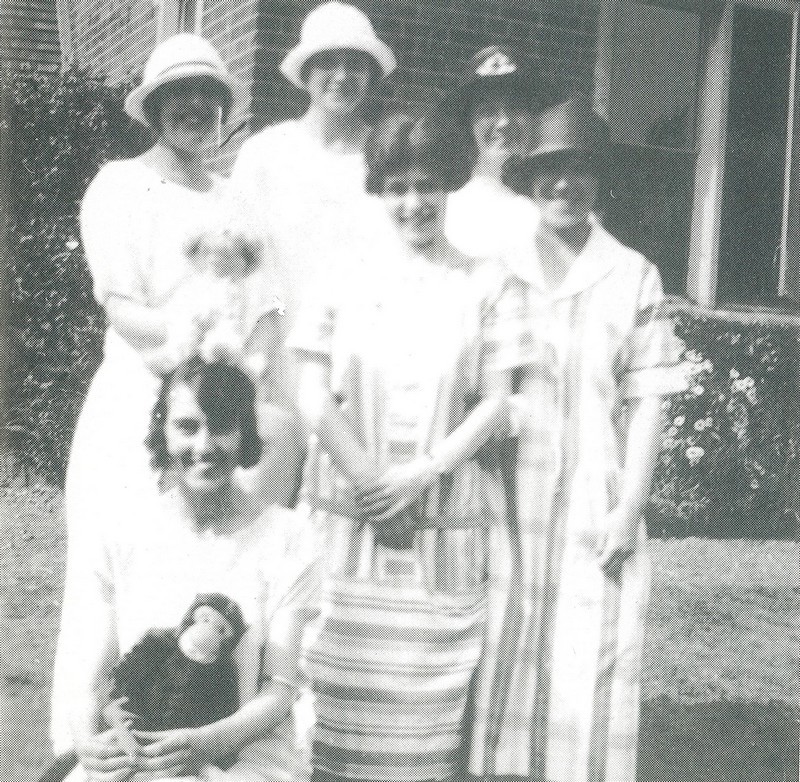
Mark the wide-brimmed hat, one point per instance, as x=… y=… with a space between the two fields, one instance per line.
x=330 y=27
x=182 y=56
x=570 y=126
x=499 y=69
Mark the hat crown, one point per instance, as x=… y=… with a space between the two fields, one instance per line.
x=570 y=126
x=181 y=50
x=333 y=20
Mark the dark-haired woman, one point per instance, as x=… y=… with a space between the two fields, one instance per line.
x=578 y=336
x=388 y=383
x=136 y=218
x=202 y=536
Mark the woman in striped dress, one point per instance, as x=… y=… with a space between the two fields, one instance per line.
x=576 y=334
x=387 y=380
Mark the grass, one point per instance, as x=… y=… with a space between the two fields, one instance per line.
x=720 y=683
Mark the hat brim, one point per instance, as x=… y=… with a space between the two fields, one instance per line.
x=519 y=171
x=134 y=102
x=292 y=64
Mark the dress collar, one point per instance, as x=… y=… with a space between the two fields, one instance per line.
x=591 y=265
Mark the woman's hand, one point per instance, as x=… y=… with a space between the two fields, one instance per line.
x=104 y=759
x=618 y=540
x=396 y=489
x=171 y=753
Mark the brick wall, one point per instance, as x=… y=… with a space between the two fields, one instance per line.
x=29 y=34
x=432 y=40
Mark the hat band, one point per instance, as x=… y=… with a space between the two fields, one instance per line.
x=190 y=64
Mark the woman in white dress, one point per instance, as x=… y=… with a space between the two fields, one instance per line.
x=136 y=218
x=497 y=102
x=301 y=182
x=204 y=537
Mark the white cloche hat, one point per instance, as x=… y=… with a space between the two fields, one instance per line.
x=179 y=57
x=332 y=26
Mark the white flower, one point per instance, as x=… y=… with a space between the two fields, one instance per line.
x=734 y=375
x=680 y=420
x=698 y=390
x=751 y=395
x=71 y=243
x=693 y=355
x=669 y=443
x=672 y=431
x=666 y=404
x=709 y=421
x=699 y=425
x=694 y=454
x=707 y=366
x=749 y=382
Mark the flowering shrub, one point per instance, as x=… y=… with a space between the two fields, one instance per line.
x=60 y=128
x=729 y=455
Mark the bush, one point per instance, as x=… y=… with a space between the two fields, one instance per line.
x=728 y=467
x=61 y=129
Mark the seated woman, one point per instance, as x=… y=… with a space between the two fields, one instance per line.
x=387 y=375
x=203 y=537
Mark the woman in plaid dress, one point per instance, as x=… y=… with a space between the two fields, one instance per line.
x=577 y=337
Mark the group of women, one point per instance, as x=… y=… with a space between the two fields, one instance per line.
x=466 y=369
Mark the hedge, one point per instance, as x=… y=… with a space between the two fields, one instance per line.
x=61 y=129
x=728 y=456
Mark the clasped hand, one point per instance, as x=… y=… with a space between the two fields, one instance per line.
x=162 y=754
x=396 y=489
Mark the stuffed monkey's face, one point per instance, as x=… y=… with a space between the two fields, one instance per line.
x=210 y=632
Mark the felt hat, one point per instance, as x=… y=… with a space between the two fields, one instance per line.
x=183 y=56
x=570 y=126
x=330 y=27
x=500 y=69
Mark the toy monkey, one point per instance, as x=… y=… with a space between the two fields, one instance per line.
x=175 y=678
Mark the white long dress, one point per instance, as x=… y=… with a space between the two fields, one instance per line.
x=130 y=580
x=310 y=201
x=134 y=224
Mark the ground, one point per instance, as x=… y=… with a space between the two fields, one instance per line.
x=720 y=700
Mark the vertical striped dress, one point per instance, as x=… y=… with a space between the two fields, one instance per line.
x=557 y=696
x=402 y=355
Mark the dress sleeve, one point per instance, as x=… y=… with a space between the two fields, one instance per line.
x=112 y=231
x=650 y=362
x=297 y=588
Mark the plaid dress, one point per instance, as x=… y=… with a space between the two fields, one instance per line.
x=557 y=696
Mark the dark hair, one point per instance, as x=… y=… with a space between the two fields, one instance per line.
x=151 y=105
x=402 y=141
x=225 y=394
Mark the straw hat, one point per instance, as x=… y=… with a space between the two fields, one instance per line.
x=179 y=57
x=332 y=26
x=570 y=126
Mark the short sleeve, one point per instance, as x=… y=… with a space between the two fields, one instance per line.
x=297 y=587
x=112 y=231
x=508 y=335
x=651 y=360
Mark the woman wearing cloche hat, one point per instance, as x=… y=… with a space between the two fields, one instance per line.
x=136 y=217
x=496 y=102
x=579 y=335
x=302 y=181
